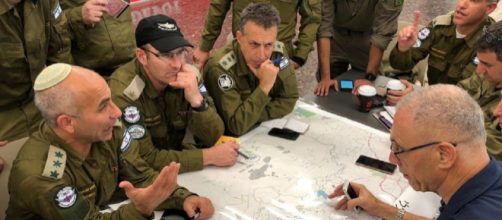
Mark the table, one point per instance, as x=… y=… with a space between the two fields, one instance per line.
x=291 y=179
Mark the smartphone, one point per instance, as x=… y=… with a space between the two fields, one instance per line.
x=284 y=133
x=346 y=85
x=350 y=193
x=376 y=164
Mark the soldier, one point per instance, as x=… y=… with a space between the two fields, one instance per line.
x=72 y=165
x=309 y=10
x=32 y=35
x=355 y=33
x=485 y=87
x=246 y=86
x=159 y=95
x=448 y=41
x=100 y=41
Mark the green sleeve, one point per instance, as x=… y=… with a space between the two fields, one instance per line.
x=407 y=60
x=239 y=115
x=385 y=23
x=176 y=199
x=206 y=126
x=214 y=21
x=328 y=16
x=310 y=12
x=472 y=85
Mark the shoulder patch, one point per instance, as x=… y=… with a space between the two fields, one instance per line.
x=135 y=88
x=57 y=11
x=55 y=164
x=131 y=114
x=225 y=82
x=423 y=33
x=136 y=131
x=126 y=141
x=443 y=20
x=278 y=47
x=228 y=60
x=398 y=2
x=66 y=197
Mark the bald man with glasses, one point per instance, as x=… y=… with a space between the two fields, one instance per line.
x=438 y=142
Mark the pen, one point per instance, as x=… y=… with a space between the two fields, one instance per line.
x=242 y=154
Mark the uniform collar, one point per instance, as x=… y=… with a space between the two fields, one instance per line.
x=49 y=135
x=240 y=57
x=472 y=189
x=149 y=88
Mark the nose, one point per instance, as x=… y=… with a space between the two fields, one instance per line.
x=393 y=158
x=462 y=3
x=176 y=62
x=114 y=111
x=262 y=53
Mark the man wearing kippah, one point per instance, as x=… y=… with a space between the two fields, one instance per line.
x=74 y=163
x=164 y=101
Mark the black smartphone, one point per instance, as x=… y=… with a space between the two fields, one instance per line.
x=346 y=85
x=284 y=133
x=350 y=193
x=174 y=214
x=376 y=164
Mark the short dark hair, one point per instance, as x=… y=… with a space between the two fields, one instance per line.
x=491 y=40
x=262 y=14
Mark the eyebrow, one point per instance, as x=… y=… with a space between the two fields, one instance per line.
x=103 y=102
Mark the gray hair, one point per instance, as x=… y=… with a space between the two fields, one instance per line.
x=448 y=109
x=263 y=14
x=491 y=40
x=55 y=101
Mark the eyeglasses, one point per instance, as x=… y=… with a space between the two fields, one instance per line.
x=169 y=55
x=397 y=150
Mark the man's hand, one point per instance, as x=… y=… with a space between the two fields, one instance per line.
x=267 y=74
x=145 y=200
x=393 y=96
x=221 y=155
x=93 y=10
x=196 y=204
x=187 y=80
x=407 y=37
x=322 y=88
x=365 y=199
x=200 y=58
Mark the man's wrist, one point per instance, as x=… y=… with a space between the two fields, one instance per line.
x=370 y=77
x=203 y=106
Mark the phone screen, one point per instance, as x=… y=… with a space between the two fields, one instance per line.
x=376 y=164
x=284 y=133
x=346 y=85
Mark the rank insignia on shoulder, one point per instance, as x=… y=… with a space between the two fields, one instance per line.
x=423 y=33
x=131 y=114
x=66 y=197
x=225 y=82
x=281 y=62
x=136 y=131
x=55 y=164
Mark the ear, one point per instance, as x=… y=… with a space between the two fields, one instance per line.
x=447 y=155
x=66 y=123
x=238 y=36
x=491 y=7
x=141 y=56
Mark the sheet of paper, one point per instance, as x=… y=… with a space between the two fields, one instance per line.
x=276 y=123
x=425 y=204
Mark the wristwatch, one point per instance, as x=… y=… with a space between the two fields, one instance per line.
x=370 y=76
x=204 y=105
x=400 y=214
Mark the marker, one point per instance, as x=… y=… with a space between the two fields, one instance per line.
x=242 y=154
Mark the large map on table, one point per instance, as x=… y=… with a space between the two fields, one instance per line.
x=291 y=179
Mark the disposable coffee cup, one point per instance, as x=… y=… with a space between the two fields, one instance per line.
x=395 y=85
x=366 y=94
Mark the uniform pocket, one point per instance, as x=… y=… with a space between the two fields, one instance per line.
x=12 y=60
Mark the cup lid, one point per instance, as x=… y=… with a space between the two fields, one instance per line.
x=366 y=90
x=395 y=84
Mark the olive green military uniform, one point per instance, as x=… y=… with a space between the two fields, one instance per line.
x=354 y=26
x=488 y=97
x=160 y=121
x=102 y=46
x=309 y=10
x=234 y=88
x=451 y=59
x=32 y=34
x=51 y=181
